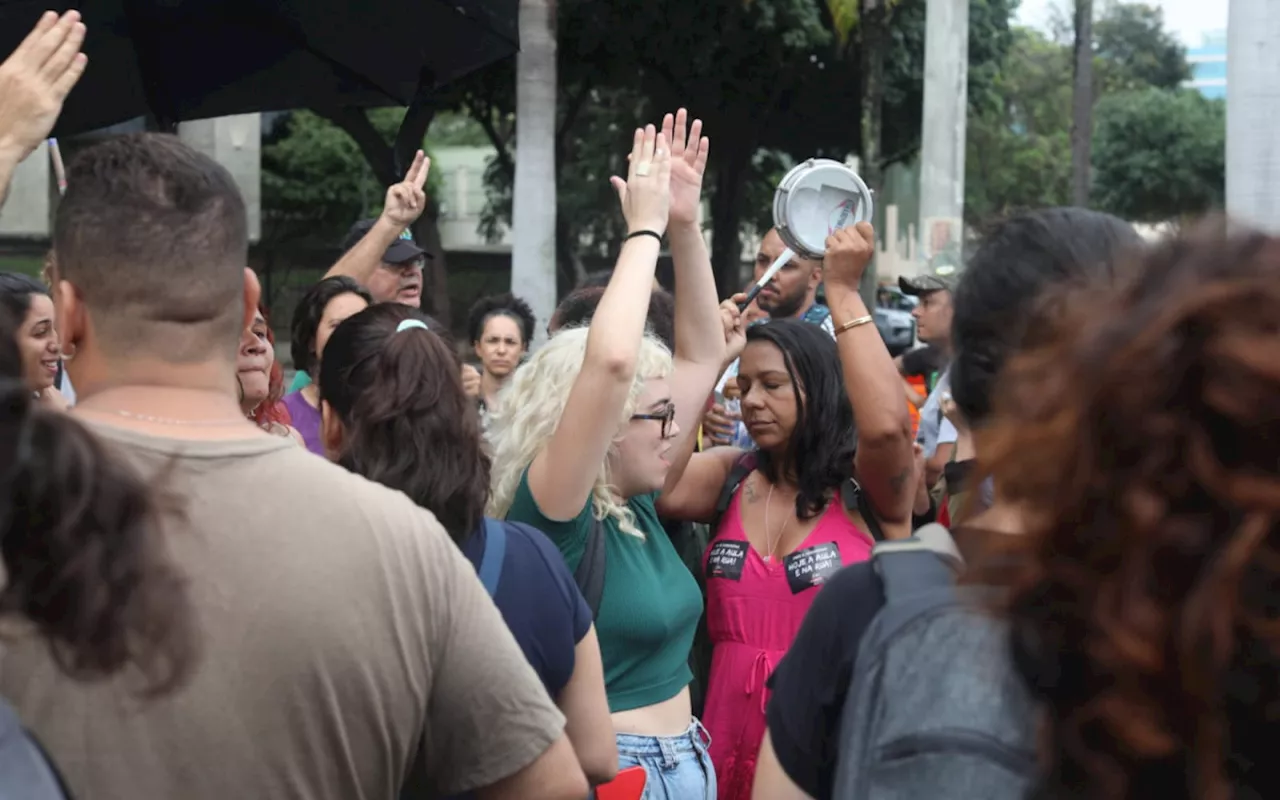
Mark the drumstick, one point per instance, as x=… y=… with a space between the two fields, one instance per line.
x=786 y=256
x=59 y=170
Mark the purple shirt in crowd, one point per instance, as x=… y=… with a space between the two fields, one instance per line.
x=306 y=418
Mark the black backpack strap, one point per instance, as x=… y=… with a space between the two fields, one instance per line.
x=854 y=499
x=741 y=469
x=590 y=572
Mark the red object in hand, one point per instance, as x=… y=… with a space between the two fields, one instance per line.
x=628 y=785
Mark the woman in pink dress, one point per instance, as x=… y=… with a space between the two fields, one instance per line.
x=794 y=520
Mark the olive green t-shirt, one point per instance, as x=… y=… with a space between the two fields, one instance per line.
x=343 y=635
x=650 y=607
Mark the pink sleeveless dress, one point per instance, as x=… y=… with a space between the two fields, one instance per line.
x=754 y=609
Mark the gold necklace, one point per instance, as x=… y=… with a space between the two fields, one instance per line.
x=169 y=421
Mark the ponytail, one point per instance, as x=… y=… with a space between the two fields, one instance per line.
x=391 y=376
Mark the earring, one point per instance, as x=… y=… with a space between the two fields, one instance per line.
x=64 y=355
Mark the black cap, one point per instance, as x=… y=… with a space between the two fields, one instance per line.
x=402 y=250
x=924 y=284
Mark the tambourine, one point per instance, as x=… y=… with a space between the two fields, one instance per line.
x=814 y=200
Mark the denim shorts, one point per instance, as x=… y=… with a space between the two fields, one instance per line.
x=676 y=767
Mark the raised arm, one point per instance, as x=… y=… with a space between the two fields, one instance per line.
x=404 y=204
x=694 y=497
x=561 y=476
x=34 y=81
x=884 y=459
x=700 y=347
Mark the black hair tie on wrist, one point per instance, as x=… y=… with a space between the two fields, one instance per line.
x=646 y=232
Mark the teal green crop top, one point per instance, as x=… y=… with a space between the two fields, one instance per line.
x=650 y=607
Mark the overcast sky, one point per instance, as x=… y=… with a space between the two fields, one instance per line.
x=1187 y=18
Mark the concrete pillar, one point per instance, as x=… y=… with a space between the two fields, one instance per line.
x=235 y=143
x=26 y=212
x=946 y=107
x=1253 y=113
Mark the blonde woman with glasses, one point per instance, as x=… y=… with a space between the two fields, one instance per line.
x=598 y=426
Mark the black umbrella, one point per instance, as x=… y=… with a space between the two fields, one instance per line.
x=194 y=59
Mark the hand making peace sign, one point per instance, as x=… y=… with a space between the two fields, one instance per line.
x=406 y=200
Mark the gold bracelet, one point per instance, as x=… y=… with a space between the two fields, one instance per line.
x=853 y=323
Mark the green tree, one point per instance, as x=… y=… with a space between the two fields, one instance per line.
x=1160 y=155
x=1018 y=147
x=772 y=79
x=1135 y=50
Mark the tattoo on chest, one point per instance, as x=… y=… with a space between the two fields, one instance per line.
x=749 y=490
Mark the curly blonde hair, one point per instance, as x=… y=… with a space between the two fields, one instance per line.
x=529 y=411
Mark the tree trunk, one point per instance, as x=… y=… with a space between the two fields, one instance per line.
x=533 y=212
x=874 y=25
x=726 y=218
x=1253 y=113
x=1082 y=103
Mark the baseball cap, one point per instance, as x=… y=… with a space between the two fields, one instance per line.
x=401 y=250
x=924 y=284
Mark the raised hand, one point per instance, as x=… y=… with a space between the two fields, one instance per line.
x=920 y=506
x=35 y=80
x=471 y=381
x=849 y=250
x=646 y=193
x=719 y=424
x=688 y=164
x=406 y=199
x=735 y=331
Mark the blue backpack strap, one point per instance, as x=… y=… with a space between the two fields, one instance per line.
x=495 y=552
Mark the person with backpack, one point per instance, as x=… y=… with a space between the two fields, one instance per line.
x=395 y=412
x=888 y=655
x=1142 y=596
x=814 y=497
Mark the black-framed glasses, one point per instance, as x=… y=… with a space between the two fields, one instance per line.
x=666 y=416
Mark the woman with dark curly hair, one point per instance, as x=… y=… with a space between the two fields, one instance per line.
x=500 y=328
x=84 y=562
x=1018 y=265
x=1142 y=435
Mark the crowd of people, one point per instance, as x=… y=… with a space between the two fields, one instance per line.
x=1033 y=558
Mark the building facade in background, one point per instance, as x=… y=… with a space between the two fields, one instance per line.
x=1209 y=65
x=234 y=142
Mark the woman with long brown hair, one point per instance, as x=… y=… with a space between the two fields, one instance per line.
x=1140 y=438
x=85 y=566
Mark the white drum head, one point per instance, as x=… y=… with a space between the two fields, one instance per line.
x=814 y=200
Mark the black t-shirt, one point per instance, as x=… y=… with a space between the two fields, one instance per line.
x=810 y=684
